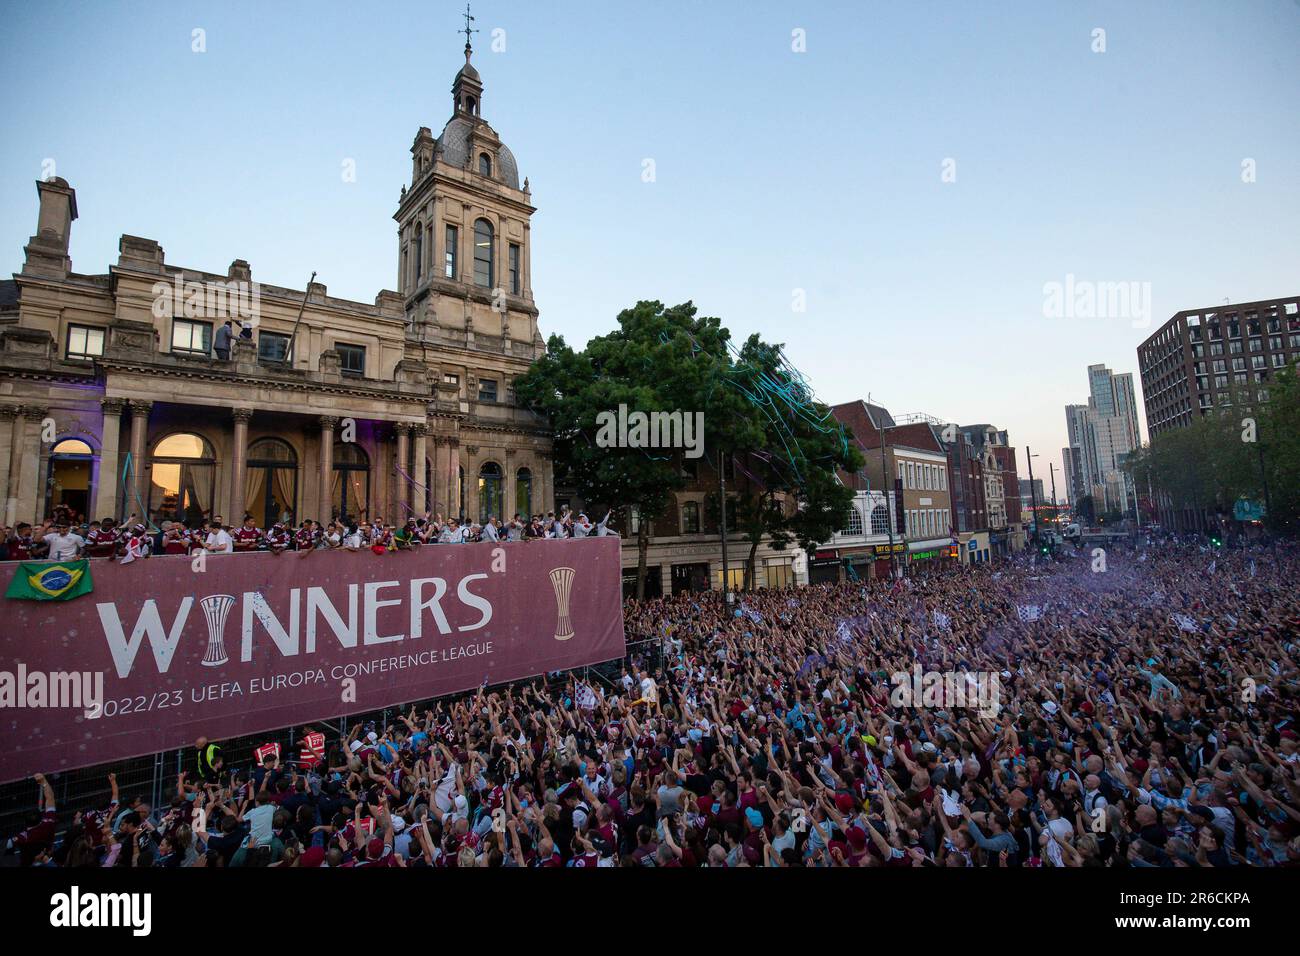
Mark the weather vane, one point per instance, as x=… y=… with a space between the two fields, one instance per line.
x=467 y=31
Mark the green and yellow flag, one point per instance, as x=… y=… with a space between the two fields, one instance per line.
x=60 y=581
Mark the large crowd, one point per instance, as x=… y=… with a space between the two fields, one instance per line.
x=1136 y=709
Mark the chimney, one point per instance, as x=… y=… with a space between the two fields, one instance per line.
x=47 y=251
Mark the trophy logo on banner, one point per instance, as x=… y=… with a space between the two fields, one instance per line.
x=562 y=582
x=216 y=608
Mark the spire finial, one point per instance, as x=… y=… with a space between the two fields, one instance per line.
x=467 y=31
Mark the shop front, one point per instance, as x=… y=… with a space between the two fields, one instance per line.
x=654 y=585
x=690 y=577
x=930 y=553
x=1000 y=542
x=825 y=567
x=882 y=556
x=974 y=547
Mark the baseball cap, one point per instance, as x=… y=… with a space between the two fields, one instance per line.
x=754 y=817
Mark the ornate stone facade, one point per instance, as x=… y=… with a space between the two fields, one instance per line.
x=331 y=407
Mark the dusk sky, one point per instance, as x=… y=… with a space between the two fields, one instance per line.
x=774 y=170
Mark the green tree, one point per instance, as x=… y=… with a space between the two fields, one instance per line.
x=791 y=447
x=1278 y=451
x=657 y=360
x=1229 y=454
x=756 y=411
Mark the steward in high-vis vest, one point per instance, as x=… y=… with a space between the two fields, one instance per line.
x=210 y=760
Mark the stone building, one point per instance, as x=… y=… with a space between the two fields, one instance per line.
x=116 y=396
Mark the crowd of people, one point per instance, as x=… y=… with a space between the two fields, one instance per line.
x=64 y=536
x=1142 y=715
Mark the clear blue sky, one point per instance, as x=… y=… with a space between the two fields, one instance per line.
x=775 y=170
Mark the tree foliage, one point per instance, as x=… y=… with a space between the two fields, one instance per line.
x=1231 y=454
x=757 y=413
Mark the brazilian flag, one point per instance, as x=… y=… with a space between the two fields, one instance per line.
x=60 y=581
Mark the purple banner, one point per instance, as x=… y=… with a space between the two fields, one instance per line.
x=245 y=643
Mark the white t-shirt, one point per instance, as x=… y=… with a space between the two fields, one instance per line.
x=648 y=689
x=219 y=542
x=64 y=547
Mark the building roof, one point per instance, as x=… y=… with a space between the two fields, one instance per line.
x=454 y=143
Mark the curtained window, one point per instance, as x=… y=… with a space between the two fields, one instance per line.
x=350 y=483
x=489 y=491
x=181 y=475
x=271 y=488
x=524 y=492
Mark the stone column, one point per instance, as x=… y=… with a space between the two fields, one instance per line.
x=379 y=504
x=28 y=452
x=526 y=266
x=10 y=423
x=136 y=502
x=105 y=504
x=546 y=484
x=326 y=459
x=239 y=464
x=509 y=505
x=472 y=462
x=501 y=264
x=418 y=458
x=467 y=247
x=441 y=466
x=402 y=476
x=453 y=478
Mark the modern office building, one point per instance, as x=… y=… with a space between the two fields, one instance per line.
x=1102 y=435
x=1216 y=357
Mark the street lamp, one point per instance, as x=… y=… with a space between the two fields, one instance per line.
x=1033 y=498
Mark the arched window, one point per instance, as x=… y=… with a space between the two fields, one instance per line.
x=69 y=478
x=271 y=486
x=484 y=164
x=855 y=522
x=489 y=491
x=880 y=520
x=524 y=492
x=350 y=483
x=181 y=475
x=419 y=251
x=483 y=263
